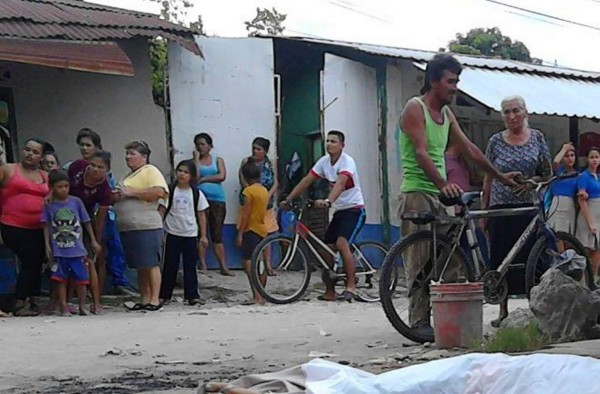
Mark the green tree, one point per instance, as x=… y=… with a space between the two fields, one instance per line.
x=268 y=22
x=490 y=42
x=174 y=11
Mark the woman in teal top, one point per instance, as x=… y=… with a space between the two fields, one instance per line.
x=212 y=173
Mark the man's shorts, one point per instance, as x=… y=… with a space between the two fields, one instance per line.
x=250 y=241
x=74 y=268
x=345 y=223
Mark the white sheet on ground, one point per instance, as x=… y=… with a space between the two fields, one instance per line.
x=469 y=374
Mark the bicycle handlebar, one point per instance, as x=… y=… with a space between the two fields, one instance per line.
x=548 y=181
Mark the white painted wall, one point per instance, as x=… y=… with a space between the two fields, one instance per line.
x=228 y=94
x=355 y=112
x=395 y=103
x=54 y=104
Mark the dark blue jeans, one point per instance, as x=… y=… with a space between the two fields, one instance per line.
x=176 y=249
x=115 y=257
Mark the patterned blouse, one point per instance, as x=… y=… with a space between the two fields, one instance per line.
x=525 y=158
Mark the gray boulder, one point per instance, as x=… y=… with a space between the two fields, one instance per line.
x=565 y=309
x=519 y=318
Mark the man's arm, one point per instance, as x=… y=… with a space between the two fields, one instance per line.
x=302 y=186
x=412 y=123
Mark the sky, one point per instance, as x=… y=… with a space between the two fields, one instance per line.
x=416 y=24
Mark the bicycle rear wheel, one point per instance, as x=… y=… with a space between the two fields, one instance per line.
x=540 y=259
x=406 y=305
x=368 y=257
x=290 y=268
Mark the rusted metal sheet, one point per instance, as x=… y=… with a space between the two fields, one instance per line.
x=98 y=57
x=78 y=20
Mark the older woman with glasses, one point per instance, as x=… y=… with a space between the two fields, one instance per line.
x=517 y=148
x=140 y=224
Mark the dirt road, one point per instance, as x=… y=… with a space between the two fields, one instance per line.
x=174 y=349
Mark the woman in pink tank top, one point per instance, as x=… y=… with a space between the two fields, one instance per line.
x=24 y=187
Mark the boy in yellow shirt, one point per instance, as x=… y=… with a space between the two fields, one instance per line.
x=252 y=225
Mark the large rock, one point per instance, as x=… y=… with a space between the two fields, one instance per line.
x=565 y=309
x=519 y=318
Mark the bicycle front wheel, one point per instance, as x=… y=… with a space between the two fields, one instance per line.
x=407 y=271
x=540 y=259
x=290 y=272
x=368 y=258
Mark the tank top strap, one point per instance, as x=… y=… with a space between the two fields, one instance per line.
x=427 y=115
x=215 y=163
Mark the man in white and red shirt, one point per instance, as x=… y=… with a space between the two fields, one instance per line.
x=347 y=202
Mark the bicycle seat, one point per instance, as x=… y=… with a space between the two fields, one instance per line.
x=465 y=200
x=419 y=218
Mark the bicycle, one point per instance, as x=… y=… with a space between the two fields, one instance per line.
x=445 y=261
x=292 y=269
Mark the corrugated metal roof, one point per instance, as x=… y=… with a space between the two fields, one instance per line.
x=544 y=94
x=98 y=57
x=474 y=61
x=79 y=20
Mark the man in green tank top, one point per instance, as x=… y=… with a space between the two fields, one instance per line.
x=428 y=127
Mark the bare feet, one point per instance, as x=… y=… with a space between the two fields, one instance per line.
x=65 y=311
x=254 y=302
x=214 y=387
x=226 y=272
x=96 y=309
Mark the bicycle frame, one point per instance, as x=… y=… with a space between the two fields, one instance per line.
x=304 y=234
x=466 y=224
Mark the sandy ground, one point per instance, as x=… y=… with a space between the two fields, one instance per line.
x=175 y=349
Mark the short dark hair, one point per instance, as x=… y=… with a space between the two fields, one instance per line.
x=104 y=156
x=46 y=147
x=191 y=166
x=591 y=149
x=91 y=134
x=56 y=176
x=339 y=134
x=140 y=146
x=250 y=170
x=263 y=143
x=435 y=69
x=52 y=153
x=205 y=137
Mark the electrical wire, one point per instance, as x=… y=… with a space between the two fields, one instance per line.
x=355 y=10
x=556 y=18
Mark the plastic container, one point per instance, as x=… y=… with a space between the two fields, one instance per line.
x=457 y=314
x=288 y=222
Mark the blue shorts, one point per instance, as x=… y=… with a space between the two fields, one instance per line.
x=73 y=268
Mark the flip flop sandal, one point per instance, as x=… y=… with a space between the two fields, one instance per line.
x=137 y=307
x=347 y=296
x=4 y=314
x=25 y=312
x=152 y=307
x=271 y=273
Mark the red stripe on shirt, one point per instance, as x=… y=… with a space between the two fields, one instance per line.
x=350 y=182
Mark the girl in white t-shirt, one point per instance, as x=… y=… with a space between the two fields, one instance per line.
x=184 y=220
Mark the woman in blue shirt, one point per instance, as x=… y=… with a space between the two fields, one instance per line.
x=588 y=186
x=212 y=173
x=562 y=212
